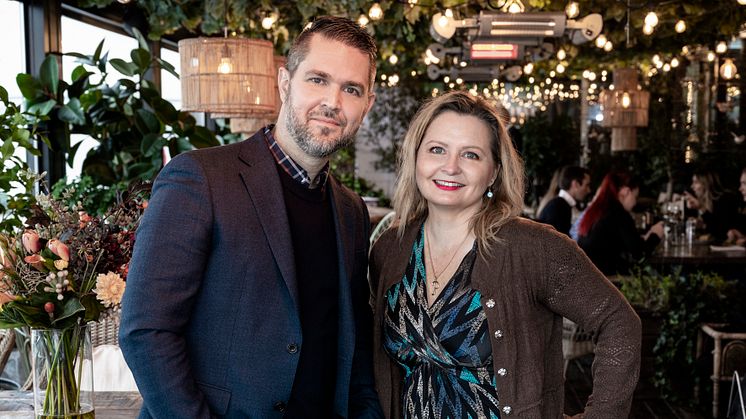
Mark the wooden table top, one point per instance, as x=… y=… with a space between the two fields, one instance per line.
x=697 y=253
x=108 y=404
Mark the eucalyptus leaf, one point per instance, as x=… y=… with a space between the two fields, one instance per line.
x=42 y=108
x=72 y=112
x=30 y=86
x=124 y=67
x=49 y=74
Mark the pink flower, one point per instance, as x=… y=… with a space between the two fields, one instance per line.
x=31 y=241
x=60 y=249
x=5 y=297
x=36 y=261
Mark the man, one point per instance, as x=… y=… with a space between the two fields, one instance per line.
x=247 y=292
x=575 y=185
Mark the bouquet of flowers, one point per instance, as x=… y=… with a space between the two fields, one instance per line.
x=67 y=268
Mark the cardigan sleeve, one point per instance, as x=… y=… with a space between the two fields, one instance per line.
x=575 y=289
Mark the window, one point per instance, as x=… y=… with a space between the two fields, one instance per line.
x=13 y=58
x=84 y=38
x=170 y=85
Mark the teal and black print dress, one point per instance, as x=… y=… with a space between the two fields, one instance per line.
x=444 y=350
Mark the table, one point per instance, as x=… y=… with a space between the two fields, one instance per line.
x=108 y=404
x=696 y=254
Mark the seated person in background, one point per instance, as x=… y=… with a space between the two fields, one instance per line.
x=575 y=185
x=552 y=192
x=607 y=232
x=737 y=234
x=717 y=207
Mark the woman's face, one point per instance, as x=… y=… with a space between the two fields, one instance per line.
x=697 y=186
x=628 y=197
x=454 y=165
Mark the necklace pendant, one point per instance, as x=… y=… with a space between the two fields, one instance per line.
x=436 y=285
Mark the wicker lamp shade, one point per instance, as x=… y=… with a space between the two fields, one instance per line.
x=227 y=76
x=251 y=124
x=625 y=109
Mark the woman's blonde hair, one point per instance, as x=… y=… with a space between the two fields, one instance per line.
x=712 y=189
x=507 y=200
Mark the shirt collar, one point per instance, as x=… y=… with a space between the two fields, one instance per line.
x=290 y=166
x=567 y=197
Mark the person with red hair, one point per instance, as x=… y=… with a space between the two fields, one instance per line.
x=607 y=232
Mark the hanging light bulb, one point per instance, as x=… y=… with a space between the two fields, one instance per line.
x=721 y=47
x=710 y=56
x=362 y=20
x=601 y=41
x=561 y=54
x=560 y=68
x=626 y=100
x=573 y=10
x=375 y=12
x=674 y=62
x=742 y=2
x=651 y=19
x=666 y=67
x=528 y=68
x=728 y=70
x=647 y=29
x=681 y=26
x=226 y=64
x=268 y=21
x=514 y=6
x=609 y=46
x=393 y=59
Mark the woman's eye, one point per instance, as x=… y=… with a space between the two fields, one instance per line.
x=437 y=150
x=471 y=155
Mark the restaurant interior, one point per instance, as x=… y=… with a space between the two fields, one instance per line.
x=98 y=95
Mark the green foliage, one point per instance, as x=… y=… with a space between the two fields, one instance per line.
x=94 y=198
x=18 y=130
x=342 y=166
x=684 y=301
x=696 y=298
x=647 y=289
x=129 y=118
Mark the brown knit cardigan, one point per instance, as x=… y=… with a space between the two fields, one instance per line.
x=533 y=278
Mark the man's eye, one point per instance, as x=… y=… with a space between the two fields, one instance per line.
x=317 y=80
x=353 y=91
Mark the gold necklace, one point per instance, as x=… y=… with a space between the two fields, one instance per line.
x=436 y=284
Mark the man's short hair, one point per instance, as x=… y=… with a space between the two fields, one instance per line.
x=338 y=29
x=570 y=173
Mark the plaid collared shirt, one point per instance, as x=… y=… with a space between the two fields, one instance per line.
x=289 y=166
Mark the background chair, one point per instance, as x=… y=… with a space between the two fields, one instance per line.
x=576 y=342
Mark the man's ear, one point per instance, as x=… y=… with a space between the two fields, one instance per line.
x=283 y=82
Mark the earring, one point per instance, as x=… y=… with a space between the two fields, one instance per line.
x=489 y=193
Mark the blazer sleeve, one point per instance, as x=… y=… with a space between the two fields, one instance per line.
x=575 y=289
x=171 y=248
x=363 y=401
x=557 y=214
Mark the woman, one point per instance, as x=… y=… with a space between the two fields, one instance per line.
x=470 y=297
x=607 y=232
x=717 y=207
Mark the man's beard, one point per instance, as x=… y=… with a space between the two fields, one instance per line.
x=312 y=145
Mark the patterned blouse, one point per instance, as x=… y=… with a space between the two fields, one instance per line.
x=444 y=349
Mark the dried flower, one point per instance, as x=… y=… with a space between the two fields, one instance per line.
x=109 y=289
x=36 y=261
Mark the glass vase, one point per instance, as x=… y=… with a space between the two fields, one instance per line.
x=62 y=365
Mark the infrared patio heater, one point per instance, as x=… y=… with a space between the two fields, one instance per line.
x=495 y=38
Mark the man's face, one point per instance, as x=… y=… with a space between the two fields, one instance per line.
x=579 y=191
x=326 y=99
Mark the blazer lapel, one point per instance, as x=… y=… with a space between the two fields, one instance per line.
x=264 y=187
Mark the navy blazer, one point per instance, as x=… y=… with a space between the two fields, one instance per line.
x=210 y=321
x=558 y=214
